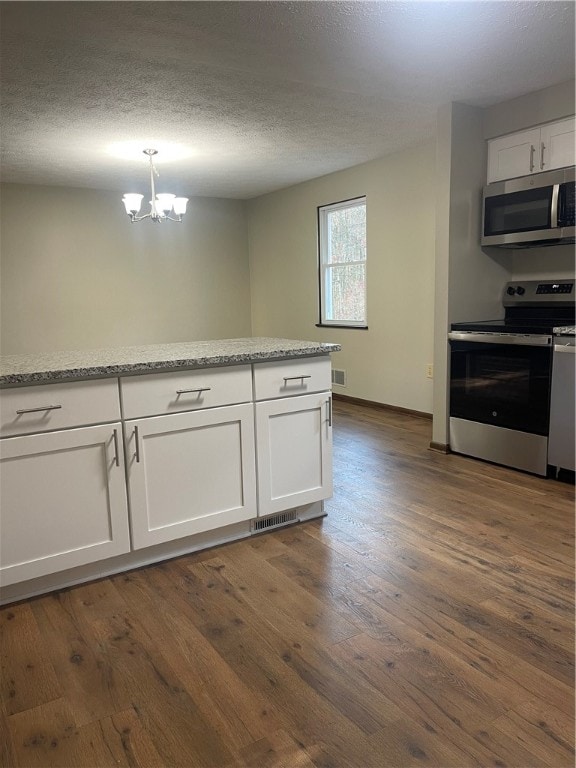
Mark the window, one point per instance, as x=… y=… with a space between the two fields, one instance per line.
x=342 y=247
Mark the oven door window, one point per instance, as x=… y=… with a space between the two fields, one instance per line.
x=526 y=211
x=500 y=384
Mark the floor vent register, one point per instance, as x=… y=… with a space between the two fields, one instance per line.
x=275 y=521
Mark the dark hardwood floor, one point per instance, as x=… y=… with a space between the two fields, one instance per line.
x=428 y=620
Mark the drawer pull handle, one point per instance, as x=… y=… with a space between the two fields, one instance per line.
x=116 y=454
x=137 y=445
x=192 y=391
x=293 y=378
x=38 y=410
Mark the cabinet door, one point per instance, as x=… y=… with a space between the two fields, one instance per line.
x=514 y=155
x=557 y=147
x=63 y=501
x=294 y=448
x=190 y=472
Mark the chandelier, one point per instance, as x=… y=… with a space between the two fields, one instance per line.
x=160 y=205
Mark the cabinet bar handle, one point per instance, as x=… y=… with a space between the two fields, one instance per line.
x=190 y=391
x=292 y=378
x=116 y=454
x=38 y=410
x=532 y=150
x=542 y=148
x=137 y=451
x=329 y=411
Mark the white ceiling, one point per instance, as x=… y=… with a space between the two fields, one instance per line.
x=260 y=94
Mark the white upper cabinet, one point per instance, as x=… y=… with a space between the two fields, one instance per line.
x=557 y=144
x=514 y=155
x=545 y=148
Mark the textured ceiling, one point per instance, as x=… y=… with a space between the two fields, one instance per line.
x=260 y=94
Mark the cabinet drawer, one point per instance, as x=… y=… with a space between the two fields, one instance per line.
x=160 y=393
x=292 y=377
x=58 y=406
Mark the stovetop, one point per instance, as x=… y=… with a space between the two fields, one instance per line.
x=513 y=325
x=530 y=307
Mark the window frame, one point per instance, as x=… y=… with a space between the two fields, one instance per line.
x=324 y=265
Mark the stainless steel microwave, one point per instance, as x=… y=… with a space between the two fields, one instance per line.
x=529 y=212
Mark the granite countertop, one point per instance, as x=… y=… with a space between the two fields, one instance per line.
x=58 y=366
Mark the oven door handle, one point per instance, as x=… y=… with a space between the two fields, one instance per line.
x=512 y=339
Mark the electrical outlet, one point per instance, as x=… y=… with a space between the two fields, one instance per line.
x=429 y=371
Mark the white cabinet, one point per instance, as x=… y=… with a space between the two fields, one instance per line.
x=63 y=501
x=557 y=144
x=179 y=459
x=514 y=155
x=293 y=433
x=544 y=148
x=294 y=450
x=190 y=472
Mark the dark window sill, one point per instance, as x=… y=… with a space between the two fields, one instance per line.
x=349 y=327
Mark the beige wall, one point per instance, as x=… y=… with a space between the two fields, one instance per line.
x=386 y=363
x=531 y=109
x=77 y=274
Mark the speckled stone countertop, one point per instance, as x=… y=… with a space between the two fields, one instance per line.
x=97 y=363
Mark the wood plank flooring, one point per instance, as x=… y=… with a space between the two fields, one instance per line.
x=428 y=620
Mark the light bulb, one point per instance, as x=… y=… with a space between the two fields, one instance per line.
x=180 y=205
x=132 y=203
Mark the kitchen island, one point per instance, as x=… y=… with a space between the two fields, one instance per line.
x=115 y=361
x=115 y=458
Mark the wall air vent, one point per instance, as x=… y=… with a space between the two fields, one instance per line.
x=274 y=521
x=338 y=377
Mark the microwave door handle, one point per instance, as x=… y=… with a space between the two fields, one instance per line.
x=554 y=206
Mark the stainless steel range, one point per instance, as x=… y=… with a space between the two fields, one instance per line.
x=501 y=376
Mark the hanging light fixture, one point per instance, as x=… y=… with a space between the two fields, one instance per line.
x=160 y=205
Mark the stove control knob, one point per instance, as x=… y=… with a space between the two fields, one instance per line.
x=520 y=291
x=510 y=290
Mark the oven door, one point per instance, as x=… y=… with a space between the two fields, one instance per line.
x=501 y=380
